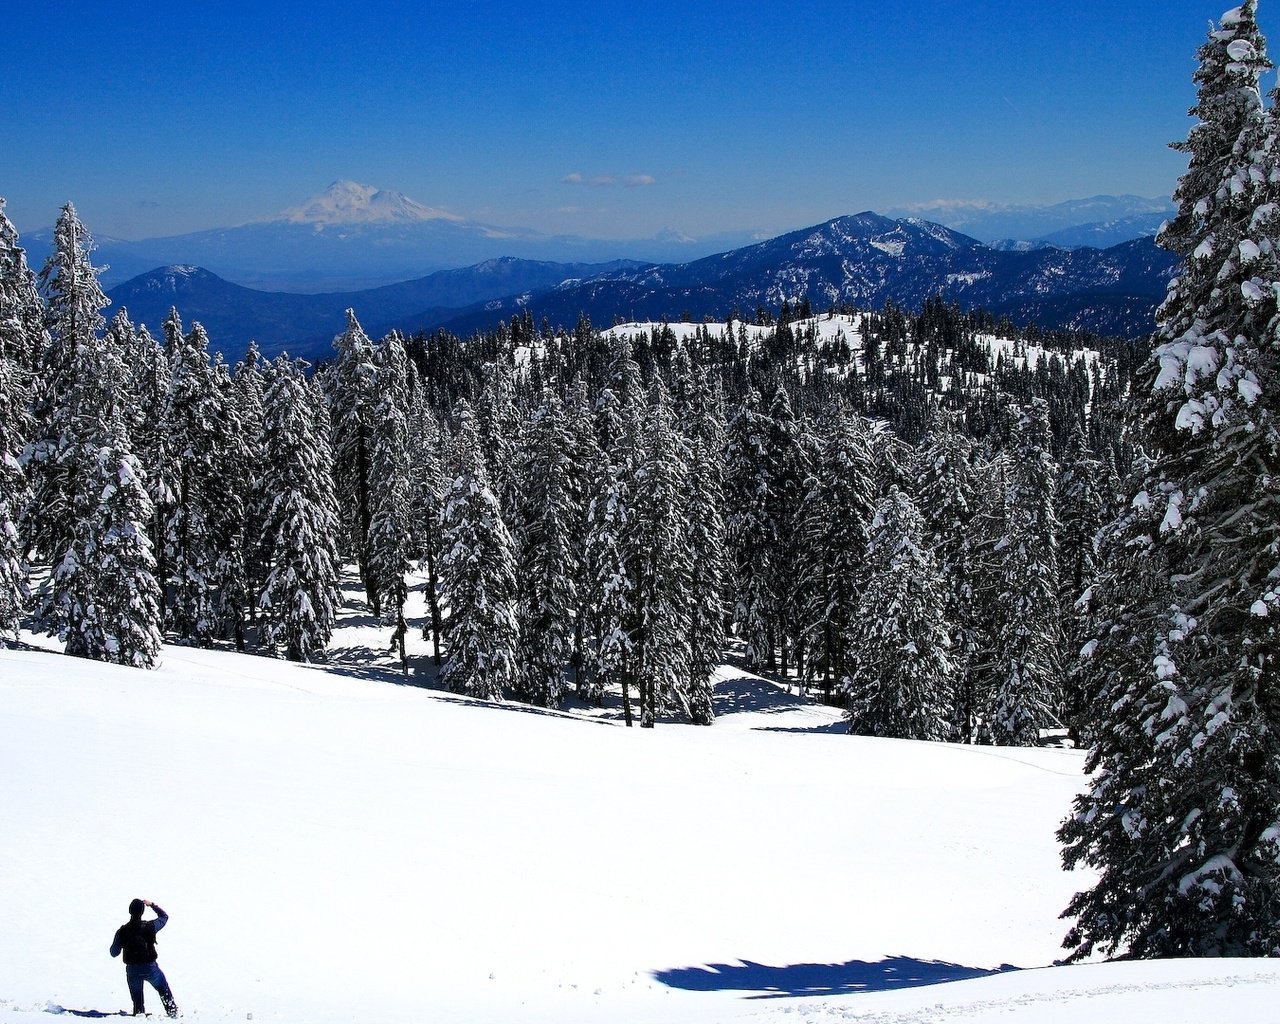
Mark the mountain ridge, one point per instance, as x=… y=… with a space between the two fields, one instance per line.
x=862 y=260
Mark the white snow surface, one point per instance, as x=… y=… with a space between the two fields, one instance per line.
x=336 y=847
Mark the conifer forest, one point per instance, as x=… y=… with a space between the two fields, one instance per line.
x=954 y=527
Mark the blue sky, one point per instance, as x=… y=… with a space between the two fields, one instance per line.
x=603 y=119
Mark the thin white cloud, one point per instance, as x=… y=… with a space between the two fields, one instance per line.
x=609 y=180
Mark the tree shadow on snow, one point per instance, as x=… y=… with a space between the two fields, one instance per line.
x=766 y=982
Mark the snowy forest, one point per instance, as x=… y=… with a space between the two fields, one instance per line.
x=955 y=528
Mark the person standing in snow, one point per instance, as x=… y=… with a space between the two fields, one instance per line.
x=137 y=941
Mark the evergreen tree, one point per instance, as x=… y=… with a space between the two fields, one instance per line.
x=426 y=502
x=349 y=386
x=703 y=427
x=1027 y=640
x=947 y=489
x=299 y=598
x=14 y=427
x=1182 y=819
x=610 y=581
x=659 y=558
x=389 y=530
x=901 y=673
x=193 y=422
x=477 y=577
x=101 y=596
x=835 y=518
x=73 y=319
x=549 y=560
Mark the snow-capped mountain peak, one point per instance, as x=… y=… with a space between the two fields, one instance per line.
x=349 y=202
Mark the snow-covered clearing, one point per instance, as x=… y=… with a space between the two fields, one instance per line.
x=333 y=846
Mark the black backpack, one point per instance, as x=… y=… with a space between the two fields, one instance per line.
x=138 y=941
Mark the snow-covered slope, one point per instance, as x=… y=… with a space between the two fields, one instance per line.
x=333 y=846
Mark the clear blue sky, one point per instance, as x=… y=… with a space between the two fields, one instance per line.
x=603 y=119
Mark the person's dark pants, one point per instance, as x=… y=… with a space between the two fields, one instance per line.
x=136 y=974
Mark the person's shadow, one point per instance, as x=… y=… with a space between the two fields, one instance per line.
x=51 y=1008
x=766 y=982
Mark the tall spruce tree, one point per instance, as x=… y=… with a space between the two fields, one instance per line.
x=389 y=529
x=1182 y=818
x=659 y=558
x=1027 y=636
x=477 y=577
x=833 y=532
x=349 y=386
x=900 y=680
x=549 y=559
x=299 y=599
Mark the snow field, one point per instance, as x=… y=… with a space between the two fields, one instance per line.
x=335 y=847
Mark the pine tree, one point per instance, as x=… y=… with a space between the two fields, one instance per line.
x=610 y=580
x=901 y=673
x=14 y=427
x=73 y=319
x=834 y=529
x=193 y=423
x=299 y=598
x=659 y=558
x=102 y=596
x=947 y=492
x=477 y=577
x=389 y=529
x=1182 y=820
x=1027 y=640
x=349 y=386
x=426 y=502
x=703 y=427
x=549 y=559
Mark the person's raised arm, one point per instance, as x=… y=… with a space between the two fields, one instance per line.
x=161 y=917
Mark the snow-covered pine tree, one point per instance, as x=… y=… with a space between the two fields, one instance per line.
x=299 y=598
x=73 y=317
x=248 y=384
x=1027 y=641
x=234 y=481
x=102 y=596
x=609 y=577
x=389 y=528
x=659 y=557
x=900 y=679
x=584 y=458
x=836 y=512
x=1182 y=819
x=751 y=532
x=426 y=501
x=15 y=426
x=349 y=387
x=1082 y=508
x=549 y=559
x=477 y=576
x=23 y=337
x=700 y=411
x=946 y=487
x=193 y=421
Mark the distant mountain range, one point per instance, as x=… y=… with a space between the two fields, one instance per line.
x=1099 y=221
x=354 y=236
x=864 y=260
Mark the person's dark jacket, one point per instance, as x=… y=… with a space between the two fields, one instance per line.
x=137 y=939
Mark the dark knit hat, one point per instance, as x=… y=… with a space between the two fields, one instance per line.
x=136 y=908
